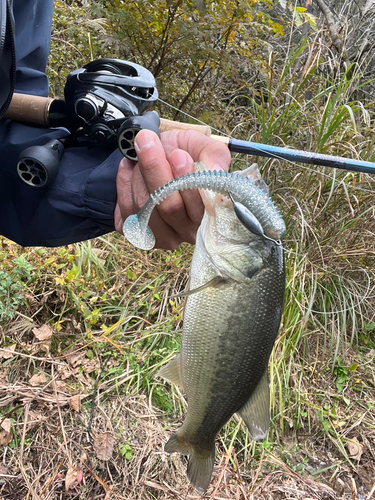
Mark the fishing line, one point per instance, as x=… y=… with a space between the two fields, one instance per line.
x=193 y=118
x=275 y=156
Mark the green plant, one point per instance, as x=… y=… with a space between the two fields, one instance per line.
x=342 y=373
x=13 y=283
x=190 y=51
x=126 y=451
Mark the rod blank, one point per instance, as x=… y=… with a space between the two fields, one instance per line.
x=253 y=148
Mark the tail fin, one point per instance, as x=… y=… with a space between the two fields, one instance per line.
x=199 y=469
x=200 y=465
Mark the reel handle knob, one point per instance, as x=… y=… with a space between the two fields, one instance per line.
x=37 y=166
x=130 y=128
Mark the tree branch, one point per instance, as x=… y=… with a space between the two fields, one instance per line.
x=333 y=28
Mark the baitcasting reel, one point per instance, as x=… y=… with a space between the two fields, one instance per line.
x=103 y=107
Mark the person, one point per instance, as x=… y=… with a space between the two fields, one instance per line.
x=94 y=191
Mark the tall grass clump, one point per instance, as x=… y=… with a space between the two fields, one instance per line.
x=330 y=236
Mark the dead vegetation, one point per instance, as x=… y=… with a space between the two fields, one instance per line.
x=57 y=458
x=55 y=445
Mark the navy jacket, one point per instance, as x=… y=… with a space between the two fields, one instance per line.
x=80 y=203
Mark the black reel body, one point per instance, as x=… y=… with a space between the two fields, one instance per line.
x=100 y=98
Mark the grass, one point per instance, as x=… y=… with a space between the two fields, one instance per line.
x=115 y=320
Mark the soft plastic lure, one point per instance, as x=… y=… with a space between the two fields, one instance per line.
x=266 y=220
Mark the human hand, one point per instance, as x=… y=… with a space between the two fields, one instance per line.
x=178 y=217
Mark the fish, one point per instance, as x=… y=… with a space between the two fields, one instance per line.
x=231 y=320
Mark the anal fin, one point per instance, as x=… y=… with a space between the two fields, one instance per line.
x=256 y=412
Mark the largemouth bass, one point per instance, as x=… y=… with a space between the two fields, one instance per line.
x=231 y=320
x=232 y=313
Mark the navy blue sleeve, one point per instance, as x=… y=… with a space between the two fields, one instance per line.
x=80 y=203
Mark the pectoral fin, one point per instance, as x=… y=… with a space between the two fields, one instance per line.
x=214 y=282
x=256 y=412
x=235 y=274
x=172 y=371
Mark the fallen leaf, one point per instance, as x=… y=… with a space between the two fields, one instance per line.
x=103 y=445
x=355 y=449
x=90 y=365
x=5 y=432
x=38 y=379
x=65 y=371
x=43 y=333
x=5 y=354
x=71 y=478
x=3 y=469
x=5 y=424
x=75 y=355
x=75 y=402
x=60 y=386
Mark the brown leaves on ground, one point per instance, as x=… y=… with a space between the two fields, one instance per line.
x=43 y=333
x=7 y=352
x=79 y=365
x=75 y=402
x=38 y=379
x=44 y=394
x=73 y=478
x=103 y=445
x=5 y=432
x=150 y=471
x=355 y=449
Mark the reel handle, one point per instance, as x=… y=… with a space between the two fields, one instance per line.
x=38 y=111
x=38 y=166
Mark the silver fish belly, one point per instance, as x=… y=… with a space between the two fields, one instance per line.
x=231 y=320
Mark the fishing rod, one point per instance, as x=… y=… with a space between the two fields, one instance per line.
x=106 y=103
x=253 y=148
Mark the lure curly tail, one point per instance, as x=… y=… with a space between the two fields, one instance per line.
x=242 y=190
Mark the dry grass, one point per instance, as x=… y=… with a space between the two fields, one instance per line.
x=53 y=456
x=42 y=469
